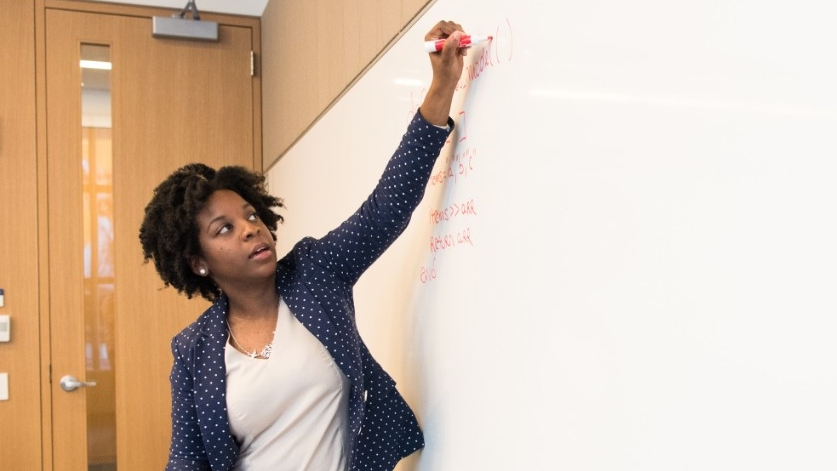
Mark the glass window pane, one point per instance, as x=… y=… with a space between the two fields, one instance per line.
x=99 y=282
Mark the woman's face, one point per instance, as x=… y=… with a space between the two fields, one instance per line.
x=237 y=247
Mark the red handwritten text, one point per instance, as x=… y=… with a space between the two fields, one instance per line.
x=499 y=50
x=457 y=166
x=467 y=208
x=450 y=240
x=429 y=273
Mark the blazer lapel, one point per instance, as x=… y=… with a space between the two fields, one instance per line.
x=338 y=340
x=211 y=385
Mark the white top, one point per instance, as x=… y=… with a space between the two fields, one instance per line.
x=288 y=412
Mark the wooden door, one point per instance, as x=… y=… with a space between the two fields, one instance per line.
x=172 y=102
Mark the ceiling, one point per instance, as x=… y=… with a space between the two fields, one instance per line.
x=237 y=7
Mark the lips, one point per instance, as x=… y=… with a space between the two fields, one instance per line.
x=260 y=250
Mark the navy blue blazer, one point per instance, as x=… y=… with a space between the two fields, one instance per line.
x=316 y=280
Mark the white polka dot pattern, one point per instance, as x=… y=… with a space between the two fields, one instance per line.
x=316 y=281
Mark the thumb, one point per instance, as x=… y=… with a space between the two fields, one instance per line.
x=452 y=43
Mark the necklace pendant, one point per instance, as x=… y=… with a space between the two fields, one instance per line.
x=252 y=354
x=267 y=350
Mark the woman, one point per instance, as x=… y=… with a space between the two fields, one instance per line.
x=274 y=374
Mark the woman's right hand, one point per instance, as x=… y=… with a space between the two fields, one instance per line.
x=447 y=64
x=447 y=67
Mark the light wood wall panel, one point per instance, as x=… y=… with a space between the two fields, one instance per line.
x=312 y=51
x=20 y=416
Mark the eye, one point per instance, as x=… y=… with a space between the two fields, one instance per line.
x=224 y=229
x=253 y=216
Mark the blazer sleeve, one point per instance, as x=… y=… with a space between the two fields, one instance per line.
x=353 y=246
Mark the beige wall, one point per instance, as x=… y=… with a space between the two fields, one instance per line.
x=313 y=50
x=20 y=416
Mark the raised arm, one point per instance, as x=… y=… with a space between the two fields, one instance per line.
x=353 y=246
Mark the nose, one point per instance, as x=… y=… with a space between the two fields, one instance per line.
x=251 y=228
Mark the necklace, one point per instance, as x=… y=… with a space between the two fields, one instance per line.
x=266 y=351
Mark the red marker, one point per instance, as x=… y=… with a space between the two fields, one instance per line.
x=464 y=41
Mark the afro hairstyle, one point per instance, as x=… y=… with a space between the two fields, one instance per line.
x=169 y=234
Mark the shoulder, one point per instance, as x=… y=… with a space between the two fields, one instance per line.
x=307 y=251
x=187 y=336
x=288 y=265
x=210 y=322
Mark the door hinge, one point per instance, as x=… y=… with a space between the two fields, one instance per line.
x=252 y=64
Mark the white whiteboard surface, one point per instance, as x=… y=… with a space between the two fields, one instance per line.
x=627 y=259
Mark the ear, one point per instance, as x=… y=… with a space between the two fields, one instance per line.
x=197 y=264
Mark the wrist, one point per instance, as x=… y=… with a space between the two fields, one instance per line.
x=435 y=108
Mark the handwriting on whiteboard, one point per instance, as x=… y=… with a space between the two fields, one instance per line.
x=457 y=169
x=499 y=50
x=452 y=211
x=450 y=240
x=458 y=165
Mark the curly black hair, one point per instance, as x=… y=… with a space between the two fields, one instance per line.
x=169 y=234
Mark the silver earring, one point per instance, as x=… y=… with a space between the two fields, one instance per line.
x=202 y=271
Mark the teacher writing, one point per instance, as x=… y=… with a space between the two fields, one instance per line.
x=274 y=375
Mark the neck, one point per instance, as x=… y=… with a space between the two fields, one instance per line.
x=253 y=303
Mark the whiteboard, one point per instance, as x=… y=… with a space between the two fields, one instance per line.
x=627 y=256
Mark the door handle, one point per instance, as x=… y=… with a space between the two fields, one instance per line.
x=70 y=383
